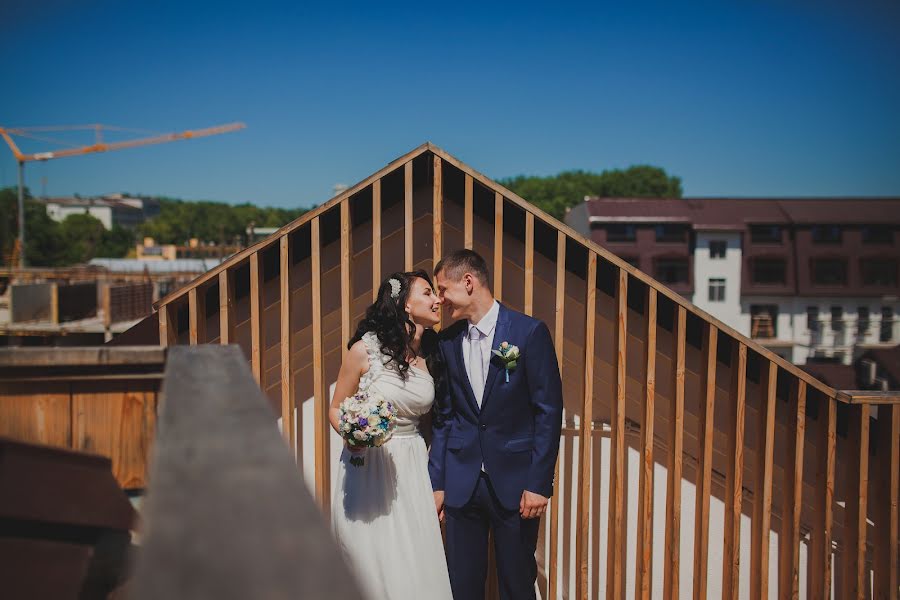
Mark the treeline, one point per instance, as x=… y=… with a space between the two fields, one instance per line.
x=556 y=193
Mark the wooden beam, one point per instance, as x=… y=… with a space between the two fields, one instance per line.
x=469 y=213
x=762 y=489
x=645 y=485
x=376 y=238
x=558 y=341
x=498 y=246
x=437 y=210
x=734 y=477
x=529 y=264
x=819 y=562
x=891 y=552
x=857 y=505
x=54 y=304
x=346 y=291
x=789 y=542
x=167 y=326
x=408 y=216
x=582 y=533
x=320 y=392
x=226 y=307
x=197 y=316
x=705 y=463
x=256 y=331
x=288 y=402
x=616 y=540
x=671 y=575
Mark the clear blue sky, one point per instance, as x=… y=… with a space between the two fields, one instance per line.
x=737 y=98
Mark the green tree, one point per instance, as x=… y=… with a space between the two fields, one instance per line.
x=557 y=193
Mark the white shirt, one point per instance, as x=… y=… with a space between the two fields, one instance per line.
x=486 y=327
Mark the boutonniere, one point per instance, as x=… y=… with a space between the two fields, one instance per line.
x=509 y=354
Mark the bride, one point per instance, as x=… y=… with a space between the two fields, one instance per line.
x=384 y=515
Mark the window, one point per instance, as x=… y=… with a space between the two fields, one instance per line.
x=769 y=271
x=862 y=321
x=826 y=234
x=877 y=234
x=621 y=233
x=887 y=324
x=717 y=290
x=878 y=271
x=672 y=270
x=837 y=318
x=763 y=320
x=671 y=233
x=812 y=318
x=829 y=271
x=717 y=248
x=765 y=234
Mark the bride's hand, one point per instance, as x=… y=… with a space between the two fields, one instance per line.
x=439 y=504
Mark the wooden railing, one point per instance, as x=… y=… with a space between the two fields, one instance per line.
x=654 y=387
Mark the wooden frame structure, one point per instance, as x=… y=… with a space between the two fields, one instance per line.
x=641 y=365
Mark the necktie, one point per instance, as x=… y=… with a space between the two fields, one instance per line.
x=476 y=364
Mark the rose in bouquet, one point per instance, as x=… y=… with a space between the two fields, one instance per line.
x=367 y=420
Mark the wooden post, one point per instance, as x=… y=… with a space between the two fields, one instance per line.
x=196 y=316
x=820 y=563
x=762 y=488
x=256 y=331
x=558 y=341
x=376 y=238
x=167 y=326
x=616 y=541
x=529 y=263
x=226 y=307
x=288 y=402
x=734 y=476
x=789 y=542
x=671 y=576
x=705 y=460
x=469 y=213
x=346 y=289
x=498 y=246
x=54 y=304
x=408 y=216
x=645 y=489
x=582 y=534
x=857 y=504
x=437 y=210
x=320 y=392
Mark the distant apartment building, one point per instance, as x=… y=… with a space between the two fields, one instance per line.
x=814 y=280
x=111 y=210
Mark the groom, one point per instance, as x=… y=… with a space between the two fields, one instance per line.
x=496 y=432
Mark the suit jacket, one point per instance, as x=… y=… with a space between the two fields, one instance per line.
x=515 y=433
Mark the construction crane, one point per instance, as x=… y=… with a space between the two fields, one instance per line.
x=98 y=146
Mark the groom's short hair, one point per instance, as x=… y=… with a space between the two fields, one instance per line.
x=459 y=262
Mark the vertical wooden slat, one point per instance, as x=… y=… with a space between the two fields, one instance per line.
x=469 y=213
x=893 y=552
x=671 y=576
x=437 y=210
x=226 y=307
x=287 y=381
x=857 y=504
x=558 y=340
x=587 y=411
x=705 y=460
x=789 y=544
x=820 y=562
x=529 y=263
x=54 y=304
x=645 y=485
x=346 y=291
x=376 y=238
x=734 y=476
x=107 y=304
x=323 y=477
x=616 y=538
x=762 y=489
x=498 y=245
x=166 y=328
x=408 y=216
x=196 y=316
x=255 y=320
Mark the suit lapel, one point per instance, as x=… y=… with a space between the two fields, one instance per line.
x=464 y=377
x=495 y=366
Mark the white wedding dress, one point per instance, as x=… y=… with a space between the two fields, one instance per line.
x=383 y=511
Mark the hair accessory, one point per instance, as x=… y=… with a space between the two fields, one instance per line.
x=395 y=287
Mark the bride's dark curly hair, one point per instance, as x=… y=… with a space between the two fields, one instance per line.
x=388 y=319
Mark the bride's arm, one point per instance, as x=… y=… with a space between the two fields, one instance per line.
x=353 y=366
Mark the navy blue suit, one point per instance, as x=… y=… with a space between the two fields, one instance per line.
x=515 y=435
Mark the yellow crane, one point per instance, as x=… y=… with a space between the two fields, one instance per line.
x=98 y=146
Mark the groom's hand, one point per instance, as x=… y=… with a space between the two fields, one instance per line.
x=439 y=504
x=532 y=506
